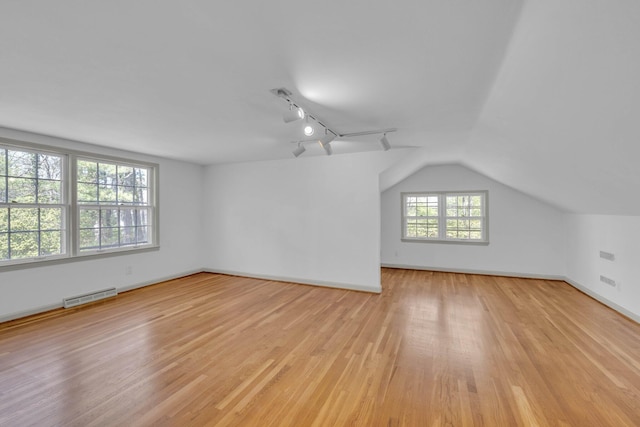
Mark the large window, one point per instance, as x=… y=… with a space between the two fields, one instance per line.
x=114 y=207
x=32 y=204
x=56 y=204
x=445 y=217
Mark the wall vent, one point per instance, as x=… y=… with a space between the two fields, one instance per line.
x=610 y=282
x=607 y=255
x=86 y=298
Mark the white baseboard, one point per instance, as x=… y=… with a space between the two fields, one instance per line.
x=159 y=280
x=30 y=312
x=481 y=272
x=322 y=283
x=631 y=315
x=49 y=307
x=612 y=305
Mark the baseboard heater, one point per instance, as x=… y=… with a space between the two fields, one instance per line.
x=87 y=298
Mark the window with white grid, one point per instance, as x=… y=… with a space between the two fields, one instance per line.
x=445 y=217
x=114 y=205
x=32 y=204
x=58 y=204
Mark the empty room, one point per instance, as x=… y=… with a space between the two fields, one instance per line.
x=412 y=213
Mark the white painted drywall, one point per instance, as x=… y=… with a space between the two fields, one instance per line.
x=587 y=235
x=526 y=236
x=34 y=289
x=312 y=220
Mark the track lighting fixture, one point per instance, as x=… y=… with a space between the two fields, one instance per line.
x=308 y=130
x=385 y=143
x=299 y=149
x=296 y=112
x=325 y=142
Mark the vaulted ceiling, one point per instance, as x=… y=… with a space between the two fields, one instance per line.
x=540 y=95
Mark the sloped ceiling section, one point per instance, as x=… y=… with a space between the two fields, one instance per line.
x=562 y=121
x=544 y=97
x=191 y=79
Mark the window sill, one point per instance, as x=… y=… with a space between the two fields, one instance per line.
x=33 y=263
x=448 y=242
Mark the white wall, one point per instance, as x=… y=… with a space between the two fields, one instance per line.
x=587 y=235
x=36 y=289
x=526 y=236
x=310 y=220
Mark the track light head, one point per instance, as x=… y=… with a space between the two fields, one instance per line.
x=294 y=113
x=308 y=130
x=299 y=150
x=325 y=142
x=386 y=146
x=326 y=139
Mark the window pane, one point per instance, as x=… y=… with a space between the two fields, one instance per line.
x=23 y=219
x=3 y=190
x=107 y=194
x=3 y=162
x=128 y=236
x=125 y=195
x=87 y=193
x=142 y=196
x=22 y=164
x=4 y=219
x=128 y=217
x=50 y=243
x=49 y=167
x=22 y=190
x=107 y=174
x=4 y=246
x=126 y=176
x=87 y=171
x=476 y=235
x=141 y=177
x=109 y=218
x=24 y=245
x=142 y=217
x=51 y=219
x=89 y=218
x=109 y=237
x=142 y=235
x=49 y=192
x=89 y=239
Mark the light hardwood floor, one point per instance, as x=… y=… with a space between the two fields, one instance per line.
x=433 y=349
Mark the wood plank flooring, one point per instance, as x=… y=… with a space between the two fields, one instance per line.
x=434 y=349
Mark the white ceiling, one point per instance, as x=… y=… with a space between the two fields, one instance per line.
x=543 y=96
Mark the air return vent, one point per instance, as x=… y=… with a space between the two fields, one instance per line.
x=86 y=298
x=607 y=255
x=608 y=281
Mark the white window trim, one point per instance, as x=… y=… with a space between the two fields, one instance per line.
x=72 y=234
x=442 y=217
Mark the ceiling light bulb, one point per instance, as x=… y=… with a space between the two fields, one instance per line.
x=308 y=130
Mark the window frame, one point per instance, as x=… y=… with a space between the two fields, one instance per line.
x=442 y=217
x=71 y=240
